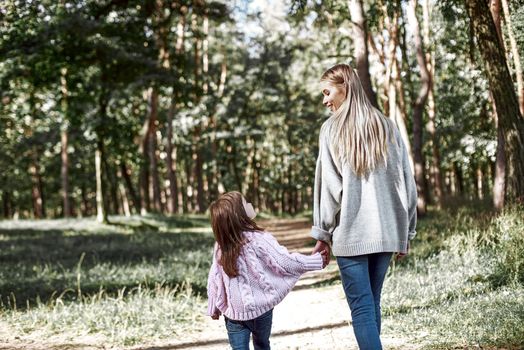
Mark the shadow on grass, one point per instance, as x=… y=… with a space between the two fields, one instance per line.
x=42 y=264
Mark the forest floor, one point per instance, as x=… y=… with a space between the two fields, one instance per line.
x=314 y=315
x=460 y=287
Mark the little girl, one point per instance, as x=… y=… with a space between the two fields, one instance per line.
x=251 y=272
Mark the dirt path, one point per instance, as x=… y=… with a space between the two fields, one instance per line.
x=310 y=317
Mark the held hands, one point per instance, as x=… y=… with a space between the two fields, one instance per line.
x=216 y=315
x=325 y=250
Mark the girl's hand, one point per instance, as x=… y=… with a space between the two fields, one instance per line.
x=325 y=258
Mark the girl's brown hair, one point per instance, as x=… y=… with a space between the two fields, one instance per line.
x=228 y=221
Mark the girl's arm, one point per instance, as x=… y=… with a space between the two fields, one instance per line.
x=281 y=261
x=212 y=288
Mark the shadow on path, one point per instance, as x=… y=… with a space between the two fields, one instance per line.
x=193 y=345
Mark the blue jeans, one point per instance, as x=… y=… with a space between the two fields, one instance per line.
x=239 y=332
x=362 y=278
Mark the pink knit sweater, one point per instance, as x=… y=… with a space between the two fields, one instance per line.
x=266 y=274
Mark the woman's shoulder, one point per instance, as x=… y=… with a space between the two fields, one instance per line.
x=326 y=127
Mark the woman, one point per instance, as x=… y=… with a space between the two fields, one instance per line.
x=365 y=197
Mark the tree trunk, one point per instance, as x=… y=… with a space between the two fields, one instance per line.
x=459 y=177
x=499 y=182
x=101 y=203
x=64 y=170
x=395 y=88
x=188 y=192
x=360 y=47
x=145 y=144
x=418 y=110
x=152 y=149
x=6 y=201
x=113 y=186
x=171 y=159
x=36 y=193
x=171 y=151
x=85 y=207
x=516 y=56
x=436 y=173
x=126 y=175
x=480 y=182
x=101 y=212
x=123 y=194
x=145 y=202
x=197 y=157
x=500 y=172
x=205 y=53
x=506 y=103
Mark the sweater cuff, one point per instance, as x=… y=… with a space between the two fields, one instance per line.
x=211 y=307
x=412 y=234
x=320 y=234
x=314 y=262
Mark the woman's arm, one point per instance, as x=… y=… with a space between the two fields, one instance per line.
x=327 y=192
x=411 y=188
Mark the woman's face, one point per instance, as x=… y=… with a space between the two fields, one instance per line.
x=334 y=96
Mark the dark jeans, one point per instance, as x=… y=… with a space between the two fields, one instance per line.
x=239 y=332
x=362 y=278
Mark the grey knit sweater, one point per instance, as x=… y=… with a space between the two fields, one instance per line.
x=372 y=214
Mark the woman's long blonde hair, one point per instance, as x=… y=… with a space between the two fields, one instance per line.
x=358 y=131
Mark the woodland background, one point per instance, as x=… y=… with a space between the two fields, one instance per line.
x=121 y=120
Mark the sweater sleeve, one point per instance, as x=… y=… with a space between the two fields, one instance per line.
x=281 y=261
x=411 y=188
x=212 y=286
x=327 y=192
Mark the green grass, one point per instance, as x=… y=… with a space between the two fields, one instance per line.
x=462 y=284
x=40 y=260
x=136 y=279
x=143 y=279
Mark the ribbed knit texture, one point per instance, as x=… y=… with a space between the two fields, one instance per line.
x=266 y=274
x=366 y=215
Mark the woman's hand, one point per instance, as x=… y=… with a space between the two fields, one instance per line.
x=216 y=315
x=402 y=255
x=324 y=249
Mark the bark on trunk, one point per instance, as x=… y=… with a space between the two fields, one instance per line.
x=516 y=56
x=506 y=103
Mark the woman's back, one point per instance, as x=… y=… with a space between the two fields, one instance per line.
x=365 y=214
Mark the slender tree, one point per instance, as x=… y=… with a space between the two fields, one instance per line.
x=418 y=109
x=360 y=40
